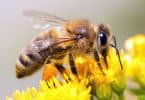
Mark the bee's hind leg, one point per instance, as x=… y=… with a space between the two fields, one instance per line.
x=60 y=68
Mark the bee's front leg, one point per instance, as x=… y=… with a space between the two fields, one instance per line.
x=104 y=54
x=97 y=59
x=72 y=64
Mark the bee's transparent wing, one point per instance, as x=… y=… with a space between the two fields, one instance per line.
x=43 y=20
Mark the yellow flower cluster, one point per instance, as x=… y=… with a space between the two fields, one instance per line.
x=135 y=56
x=89 y=83
x=55 y=90
x=104 y=86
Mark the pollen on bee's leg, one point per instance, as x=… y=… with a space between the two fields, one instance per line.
x=49 y=72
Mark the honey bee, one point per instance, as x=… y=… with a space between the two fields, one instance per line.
x=70 y=37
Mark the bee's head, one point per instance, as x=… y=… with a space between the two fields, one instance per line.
x=81 y=30
x=104 y=36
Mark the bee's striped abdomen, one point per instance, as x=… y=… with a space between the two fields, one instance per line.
x=28 y=61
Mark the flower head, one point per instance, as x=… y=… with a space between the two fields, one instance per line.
x=55 y=90
x=103 y=85
x=135 y=45
x=135 y=58
x=114 y=79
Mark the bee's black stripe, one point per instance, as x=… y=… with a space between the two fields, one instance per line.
x=31 y=56
x=23 y=61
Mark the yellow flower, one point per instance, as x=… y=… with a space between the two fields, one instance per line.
x=135 y=45
x=114 y=79
x=135 y=58
x=55 y=90
x=105 y=86
x=88 y=83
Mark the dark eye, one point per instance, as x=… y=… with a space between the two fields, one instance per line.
x=102 y=38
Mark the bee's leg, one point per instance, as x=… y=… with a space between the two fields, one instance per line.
x=97 y=59
x=47 y=61
x=60 y=68
x=115 y=46
x=104 y=54
x=72 y=64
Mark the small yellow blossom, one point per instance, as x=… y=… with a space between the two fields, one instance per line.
x=135 y=45
x=135 y=58
x=114 y=80
x=55 y=90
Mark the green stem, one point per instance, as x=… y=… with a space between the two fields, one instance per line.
x=121 y=97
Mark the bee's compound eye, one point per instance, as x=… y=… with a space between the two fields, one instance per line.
x=102 y=39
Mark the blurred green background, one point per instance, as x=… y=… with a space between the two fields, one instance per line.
x=127 y=17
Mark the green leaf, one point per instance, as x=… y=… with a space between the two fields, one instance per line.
x=142 y=97
x=137 y=91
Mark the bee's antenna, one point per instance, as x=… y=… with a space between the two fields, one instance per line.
x=117 y=51
x=114 y=40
